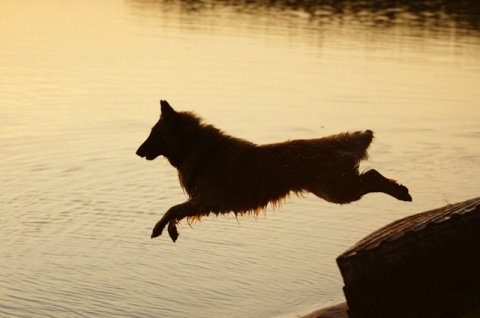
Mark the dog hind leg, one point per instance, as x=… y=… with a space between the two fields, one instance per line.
x=373 y=181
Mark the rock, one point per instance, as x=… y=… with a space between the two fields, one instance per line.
x=425 y=265
x=337 y=311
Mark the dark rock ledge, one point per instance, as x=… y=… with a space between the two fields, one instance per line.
x=425 y=265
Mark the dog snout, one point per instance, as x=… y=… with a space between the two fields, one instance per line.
x=143 y=151
x=140 y=153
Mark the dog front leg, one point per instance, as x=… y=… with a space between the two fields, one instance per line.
x=171 y=217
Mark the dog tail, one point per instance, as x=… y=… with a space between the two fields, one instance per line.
x=355 y=143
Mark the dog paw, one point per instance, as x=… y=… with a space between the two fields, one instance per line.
x=402 y=193
x=172 y=231
x=157 y=230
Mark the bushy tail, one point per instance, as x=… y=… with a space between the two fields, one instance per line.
x=355 y=143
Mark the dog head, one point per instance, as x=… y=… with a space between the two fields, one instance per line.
x=172 y=136
x=157 y=143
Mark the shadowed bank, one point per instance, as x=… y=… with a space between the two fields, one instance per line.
x=424 y=265
x=420 y=14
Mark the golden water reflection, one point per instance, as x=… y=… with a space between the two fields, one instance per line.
x=79 y=89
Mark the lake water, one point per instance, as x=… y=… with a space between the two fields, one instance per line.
x=80 y=83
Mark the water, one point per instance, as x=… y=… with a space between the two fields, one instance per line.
x=79 y=89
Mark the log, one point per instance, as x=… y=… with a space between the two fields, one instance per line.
x=425 y=265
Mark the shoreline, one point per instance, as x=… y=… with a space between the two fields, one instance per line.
x=335 y=311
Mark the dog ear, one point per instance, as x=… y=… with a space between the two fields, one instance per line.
x=166 y=110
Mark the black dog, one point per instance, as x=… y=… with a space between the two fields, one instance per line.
x=223 y=174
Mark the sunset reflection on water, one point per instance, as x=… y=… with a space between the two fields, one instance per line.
x=79 y=90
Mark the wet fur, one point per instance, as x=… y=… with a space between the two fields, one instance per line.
x=223 y=174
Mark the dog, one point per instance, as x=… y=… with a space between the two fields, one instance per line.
x=223 y=174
